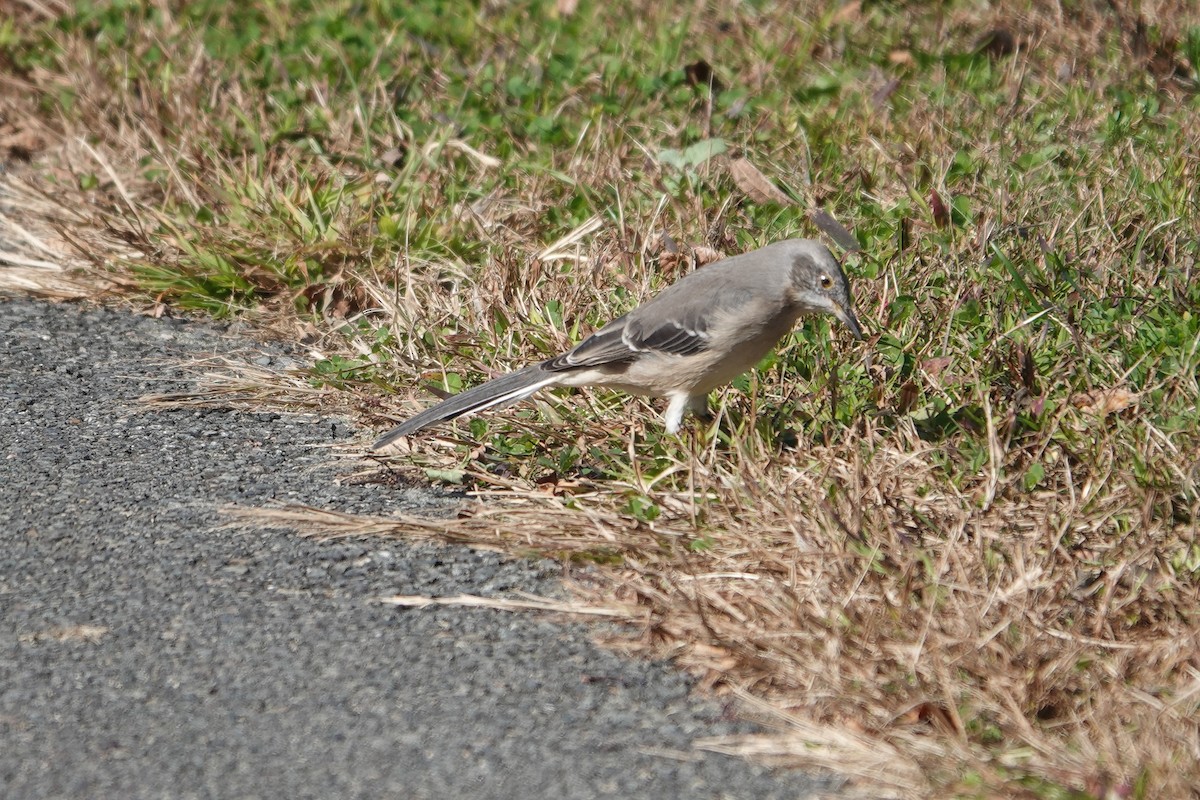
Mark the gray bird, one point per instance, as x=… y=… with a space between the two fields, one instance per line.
x=699 y=333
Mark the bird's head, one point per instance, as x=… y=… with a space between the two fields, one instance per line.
x=818 y=284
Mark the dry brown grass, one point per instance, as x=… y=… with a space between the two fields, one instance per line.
x=35 y=260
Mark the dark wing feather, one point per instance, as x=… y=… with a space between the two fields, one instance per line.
x=670 y=336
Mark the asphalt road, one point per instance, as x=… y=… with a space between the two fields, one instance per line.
x=148 y=652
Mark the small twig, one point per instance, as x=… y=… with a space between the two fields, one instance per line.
x=503 y=604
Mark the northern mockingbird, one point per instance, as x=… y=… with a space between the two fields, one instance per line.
x=701 y=332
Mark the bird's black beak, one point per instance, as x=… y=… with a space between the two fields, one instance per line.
x=848 y=319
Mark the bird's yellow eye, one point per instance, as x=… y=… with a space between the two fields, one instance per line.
x=826 y=281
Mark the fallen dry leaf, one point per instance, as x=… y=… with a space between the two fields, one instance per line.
x=881 y=95
x=835 y=230
x=1103 y=402
x=706 y=255
x=71 y=633
x=701 y=73
x=851 y=12
x=757 y=186
x=941 y=214
x=935 y=366
x=997 y=43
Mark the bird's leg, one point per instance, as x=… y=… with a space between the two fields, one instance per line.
x=681 y=403
x=675 y=411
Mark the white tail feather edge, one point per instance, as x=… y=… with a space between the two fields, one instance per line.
x=513 y=396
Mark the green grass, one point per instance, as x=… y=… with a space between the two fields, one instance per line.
x=389 y=172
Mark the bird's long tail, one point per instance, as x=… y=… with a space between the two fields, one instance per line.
x=506 y=389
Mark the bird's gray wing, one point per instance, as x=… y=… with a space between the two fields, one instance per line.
x=677 y=322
